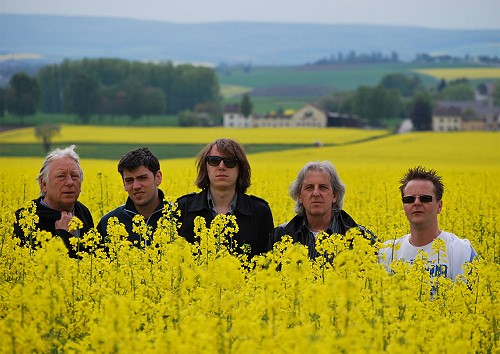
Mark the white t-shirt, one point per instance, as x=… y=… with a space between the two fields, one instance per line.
x=457 y=252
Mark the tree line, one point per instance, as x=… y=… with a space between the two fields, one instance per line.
x=402 y=96
x=116 y=87
x=113 y=87
x=377 y=57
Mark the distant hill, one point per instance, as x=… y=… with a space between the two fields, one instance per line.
x=55 y=38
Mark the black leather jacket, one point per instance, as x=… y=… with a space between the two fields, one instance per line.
x=297 y=229
x=253 y=216
x=47 y=218
x=125 y=213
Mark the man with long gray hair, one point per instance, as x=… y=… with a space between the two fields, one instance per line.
x=60 y=180
x=318 y=193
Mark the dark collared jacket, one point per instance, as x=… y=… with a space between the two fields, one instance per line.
x=47 y=218
x=253 y=216
x=297 y=229
x=125 y=213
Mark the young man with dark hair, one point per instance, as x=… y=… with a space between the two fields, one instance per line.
x=141 y=176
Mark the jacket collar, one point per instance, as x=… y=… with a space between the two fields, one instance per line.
x=200 y=203
x=46 y=212
x=341 y=222
x=129 y=204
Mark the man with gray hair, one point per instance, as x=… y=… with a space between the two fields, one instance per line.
x=60 y=180
x=319 y=197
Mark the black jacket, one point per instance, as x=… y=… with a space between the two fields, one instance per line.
x=125 y=213
x=298 y=231
x=253 y=216
x=47 y=218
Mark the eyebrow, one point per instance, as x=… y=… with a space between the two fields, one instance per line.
x=139 y=176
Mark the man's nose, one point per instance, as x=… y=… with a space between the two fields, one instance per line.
x=68 y=180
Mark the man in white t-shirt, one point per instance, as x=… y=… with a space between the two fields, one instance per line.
x=422 y=192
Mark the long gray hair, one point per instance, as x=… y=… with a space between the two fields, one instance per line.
x=57 y=154
x=323 y=166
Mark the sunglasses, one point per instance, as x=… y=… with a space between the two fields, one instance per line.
x=229 y=162
x=424 y=198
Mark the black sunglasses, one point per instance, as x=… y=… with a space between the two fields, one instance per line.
x=424 y=198
x=229 y=162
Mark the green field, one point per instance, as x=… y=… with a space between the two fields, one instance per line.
x=291 y=87
x=340 y=77
x=115 y=151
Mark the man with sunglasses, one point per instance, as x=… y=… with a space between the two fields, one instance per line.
x=422 y=191
x=224 y=177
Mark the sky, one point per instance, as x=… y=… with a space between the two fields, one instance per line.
x=444 y=14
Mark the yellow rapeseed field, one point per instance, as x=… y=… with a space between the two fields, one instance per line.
x=458 y=73
x=173 y=298
x=162 y=135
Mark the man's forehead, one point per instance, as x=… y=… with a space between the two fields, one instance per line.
x=419 y=184
x=63 y=164
x=315 y=176
x=139 y=171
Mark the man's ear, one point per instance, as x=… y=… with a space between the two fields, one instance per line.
x=44 y=186
x=158 y=178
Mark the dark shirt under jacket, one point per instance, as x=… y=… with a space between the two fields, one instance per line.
x=298 y=230
x=253 y=216
x=125 y=213
x=47 y=218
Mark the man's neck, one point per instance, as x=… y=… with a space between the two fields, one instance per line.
x=59 y=207
x=318 y=223
x=422 y=237
x=149 y=209
x=222 y=199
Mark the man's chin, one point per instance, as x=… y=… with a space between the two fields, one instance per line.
x=69 y=200
x=138 y=202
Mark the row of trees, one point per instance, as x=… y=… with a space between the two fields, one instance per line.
x=398 y=96
x=113 y=87
x=377 y=57
x=358 y=58
x=118 y=87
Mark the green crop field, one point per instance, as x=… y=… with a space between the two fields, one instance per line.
x=291 y=87
x=340 y=77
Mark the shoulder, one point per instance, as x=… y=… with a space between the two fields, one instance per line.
x=82 y=207
x=294 y=225
x=455 y=242
x=367 y=233
x=453 y=239
x=388 y=244
x=259 y=205
x=187 y=199
x=115 y=212
x=36 y=202
x=256 y=200
x=390 y=248
x=278 y=232
x=187 y=196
